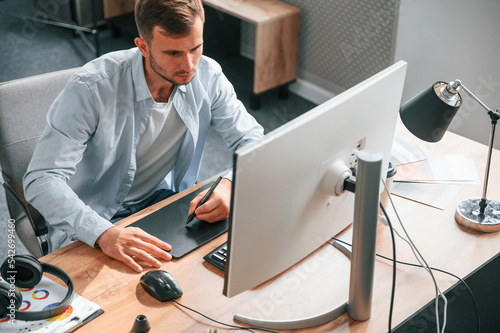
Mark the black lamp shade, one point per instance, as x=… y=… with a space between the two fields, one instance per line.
x=429 y=114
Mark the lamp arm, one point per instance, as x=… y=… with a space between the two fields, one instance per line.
x=484 y=106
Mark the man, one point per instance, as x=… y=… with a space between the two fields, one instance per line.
x=129 y=130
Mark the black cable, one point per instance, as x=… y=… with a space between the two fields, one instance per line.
x=434 y=269
x=453 y=275
x=394 y=261
x=221 y=323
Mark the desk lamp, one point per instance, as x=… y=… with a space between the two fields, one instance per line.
x=427 y=116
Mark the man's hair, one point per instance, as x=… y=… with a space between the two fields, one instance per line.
x=175 y=17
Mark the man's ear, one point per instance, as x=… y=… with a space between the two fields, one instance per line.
x=143 y=46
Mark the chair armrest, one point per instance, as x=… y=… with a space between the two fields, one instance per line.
x=15 y=191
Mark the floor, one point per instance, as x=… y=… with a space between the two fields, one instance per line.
x=35 y=48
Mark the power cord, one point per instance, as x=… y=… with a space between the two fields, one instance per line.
x=393 y=288
x=221 y=323
x=434 y=269
x=424 y=264
x=456 y=277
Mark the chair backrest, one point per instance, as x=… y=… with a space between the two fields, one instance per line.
x=23 y=108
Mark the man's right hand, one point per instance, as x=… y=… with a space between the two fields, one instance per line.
x=131 y=244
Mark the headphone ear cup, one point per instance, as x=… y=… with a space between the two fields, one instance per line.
x=28 y=270
x=6 y=295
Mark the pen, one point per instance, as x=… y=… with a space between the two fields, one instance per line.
x=85 y=321
x=205 y=198
x=69 y=325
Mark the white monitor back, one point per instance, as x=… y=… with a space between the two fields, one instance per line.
x=279 y=212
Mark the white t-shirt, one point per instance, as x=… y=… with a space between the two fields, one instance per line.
x=157 y=151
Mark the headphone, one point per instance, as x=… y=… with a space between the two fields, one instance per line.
x=26 y=271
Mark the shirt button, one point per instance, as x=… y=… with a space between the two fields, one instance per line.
x=145 y=119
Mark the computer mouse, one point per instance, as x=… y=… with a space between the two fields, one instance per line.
x=161 y=285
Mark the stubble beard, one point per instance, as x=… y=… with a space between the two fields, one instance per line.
x=154 y=66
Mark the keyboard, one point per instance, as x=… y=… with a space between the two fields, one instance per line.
x=218 y=256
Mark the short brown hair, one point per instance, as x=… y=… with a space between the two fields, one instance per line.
x=176 y=17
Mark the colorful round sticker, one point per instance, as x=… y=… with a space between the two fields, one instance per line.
x=25 y=305
x=40 y=294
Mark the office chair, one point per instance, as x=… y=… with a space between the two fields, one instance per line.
x=23 y=108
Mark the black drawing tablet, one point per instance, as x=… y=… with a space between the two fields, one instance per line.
x=169 y=225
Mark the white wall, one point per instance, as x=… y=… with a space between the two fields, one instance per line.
x=454 y=39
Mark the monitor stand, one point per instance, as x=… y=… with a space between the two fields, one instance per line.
x=366 y=203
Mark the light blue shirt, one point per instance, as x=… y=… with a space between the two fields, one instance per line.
x=84 y=164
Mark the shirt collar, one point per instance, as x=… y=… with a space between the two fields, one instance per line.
x=141 y=87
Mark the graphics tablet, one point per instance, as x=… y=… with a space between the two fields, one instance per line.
x=169 y=225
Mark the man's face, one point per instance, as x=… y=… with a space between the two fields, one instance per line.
x=175 y=59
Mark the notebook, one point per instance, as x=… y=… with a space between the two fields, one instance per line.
x=45 y=295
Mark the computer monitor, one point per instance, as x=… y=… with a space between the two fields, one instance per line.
x=283 y=203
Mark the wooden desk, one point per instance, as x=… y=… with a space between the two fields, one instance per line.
x=276 y=35
x=310 y=287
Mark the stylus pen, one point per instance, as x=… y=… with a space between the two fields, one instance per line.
x=205 y=198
